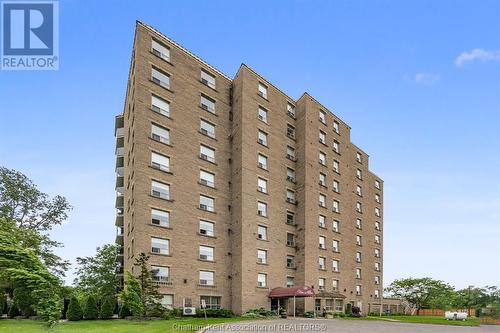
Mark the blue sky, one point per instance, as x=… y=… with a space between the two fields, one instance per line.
x=418 y=81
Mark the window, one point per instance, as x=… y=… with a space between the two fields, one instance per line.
x=358 y=157
x=207 y=228
x=377 y=280
x=159 y=246
x=261 y=280
x=359 y=207
x=377 y=266
x=358 y=273
x=358 y=290
x=160 y=50
x=207 y=203
x=322 y=200
x=377 y=239
x=290 y=261
x=261 y=256
x=262 y=114
x=358 y=223
x=207 y=278
x=160 y=273
x=262 y=161
x=160 y=134
x=167 y=301
x=290 y=175
x=160 y=105
x=335 y=146
x=207 y=128
x=358 y=256
x=322 y=158
x=322 y=242
x=335 y=265
x=262 y=90
x=262 y=138
x=262 y=185
x=322 y=221
x=207 y=178
x=212 y=302
x=207 y=79
x=336 y=166
x=339 y=305
x=358 y=240
x=336 y=126
x=206 y=253
x=207 y=153
x=377 y=293
x=377 y=211
x=328 y=304
x=322 y=116
x=290 y=153
x=160 y=217
x=160 y=190
x=336 y=206
x=336 y=186
x=290 y=239
x=290 y=218
x=335 y=285
x=359 y=174
x=377 y=184
x=377 y=198
x=290 y=131
x=359 y=190
x=207 y=103
x=322 y=179
x=336 y=246
x=322 y=137
x=290 y=196
x=262 y=232
x=321 y=284
x=377 y=225
x=160 y=162
x=336 y=226
x=377 y=253
x=290 y=110
x=161 y=78
x=290 y=281
x=262 y=208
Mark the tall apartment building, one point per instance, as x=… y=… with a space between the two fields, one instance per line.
x=234 y=188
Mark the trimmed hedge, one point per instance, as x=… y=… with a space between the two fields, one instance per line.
x=215 y=313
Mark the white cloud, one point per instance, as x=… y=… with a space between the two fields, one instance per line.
x=427 y=78
x=477 y=54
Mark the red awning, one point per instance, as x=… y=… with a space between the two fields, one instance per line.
x=299 y=291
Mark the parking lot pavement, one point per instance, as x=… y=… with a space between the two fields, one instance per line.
x=343 y=326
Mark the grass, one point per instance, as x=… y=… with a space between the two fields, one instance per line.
x=111 y=326
x=471 y=321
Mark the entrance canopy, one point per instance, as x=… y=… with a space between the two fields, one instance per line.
x=298 y=291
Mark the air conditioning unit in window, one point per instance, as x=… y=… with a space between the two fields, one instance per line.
x=204 y=81
x=291 y=114
x=261 y=94
x=203 y=282
x=155 y=250
x=261 y=213
x=203 y=257
x=261 y=284
x=262 y=142
x=261 y=165
x=203 y=231
x=261 y=260
x=204 y=207
x=260 y=117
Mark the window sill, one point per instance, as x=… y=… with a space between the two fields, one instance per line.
x=263 y=145
x=291 y=267
x=261 y=192
x=262 y=239
x=162 y=59
x=208 y=211
x=214 y=163
x=205 y=235
x=263 y=216
x=206 y=85
x=160 y=254
x=263 y=97
x=160 y=226
x=208 y=136
x=162 y=143
x=322 y=227
x=161 y=114
x=208 y=186
x=206 y=260
x=163 y=171
x=167 y=200
x=158 y=85
x=208 y=111
x=261 y=168
x=262 y=263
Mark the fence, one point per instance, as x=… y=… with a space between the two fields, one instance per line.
x=439 y=312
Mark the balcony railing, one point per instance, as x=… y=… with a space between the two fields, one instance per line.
x=119 y=201
x=119 y=221
x=119 y=186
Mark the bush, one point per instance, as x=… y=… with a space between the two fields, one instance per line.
x=90 y=311
x=74 y=312
x=252 y=315
x=124 y=312
x=348 y=309
x=3 y=305
x=107 y=307
x=309 y=314
x=264 y=312
x=356 y=311
x=13 y=311
x=215 y=313
x=173 y=313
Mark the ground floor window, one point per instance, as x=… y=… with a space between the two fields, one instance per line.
x=317 y=304
x=212 y=302
x=339 y=305
x=167 y=301
x=329 y=304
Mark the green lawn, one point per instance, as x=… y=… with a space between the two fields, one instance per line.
x=423 y=320
x=110 y=326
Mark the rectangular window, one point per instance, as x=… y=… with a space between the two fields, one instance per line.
x=322 y=137
x=336 y=186
x=377 y=225
x=290 y=218
x=160 y=190
x=290 y=261
x=335 y=146
x=359 y=191
x=322 y=200
x=167 y=301
x=160 y=162
x=322 y=158
x=290 y=109
x=322 y=242
x=377 y=211
x=290 y=281
x=160 y=105
x=376 y=293
x=212 y=302
x=335 y=265
x=160 y=217
x=377 y=198
x=207 y=153
x=290 y=175
x=359 y=207
x=358 y=256
x=322 y=116
x=261 y=256
x=262 y=90
x=358 y=157
x=262 y=138
x=335 y=285
x=290 y=196
x=261 y=280
x=321 y=284
x=336 y=246
x=336 y=126
x=377 y=239
x=377 y=184
x=359 y=174
x=358 y=223
x=377 y=266
x=160 y=134
x=321 y=262
x=290 y=153
x=336 y=226
x=262 y=208
x=262 y=185
x=207 y=178
x=207 y=228
x=159 y=246
x=207 y=79
x=290 y=239
x=207 y=128
x=322 y=179
x=322 y=221
x=262 y=232
x=358 y=290
x=358 y=273
x=358 y=240
x=262 y=114
x=207 y=278
x=160 y=273
x=262 y=161
x=377 y=280
x=206 y=253
x=336 y=206
x=336 y=166
x=207 y=203
x=161 y=78
x=207 y=103
x=377 y=253
x=290 y=131
x=160 y=50
x=339 y=305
